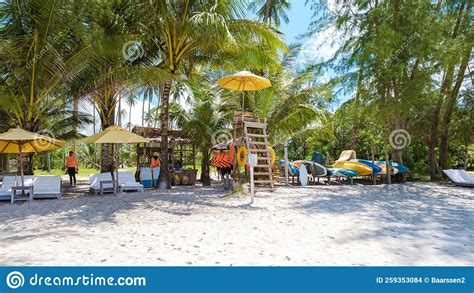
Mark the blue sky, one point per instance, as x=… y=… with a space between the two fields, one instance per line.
x=300 y=18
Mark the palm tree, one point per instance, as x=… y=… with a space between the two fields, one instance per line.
x=190 y=32
x=40 y=58
x=110 y=26
x=271 y=11
x=201 y=122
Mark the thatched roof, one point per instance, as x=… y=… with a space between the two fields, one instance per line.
x=154 y=134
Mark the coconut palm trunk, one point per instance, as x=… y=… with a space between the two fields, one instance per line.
x=205 y=169
x=165 y=98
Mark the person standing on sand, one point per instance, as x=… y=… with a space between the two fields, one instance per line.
x=72 y=167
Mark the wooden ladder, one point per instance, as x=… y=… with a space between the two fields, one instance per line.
x=256 y=141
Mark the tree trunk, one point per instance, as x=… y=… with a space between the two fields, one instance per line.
x=268 y=5
x=387 y=162
x=451 y=102
x=107 y=114
x=205 y=170
x=75 y=112
x=130 y=129
x=447 y=91
x=150 y=97
x=165 y=97
x=119 y=111
x=143 y=108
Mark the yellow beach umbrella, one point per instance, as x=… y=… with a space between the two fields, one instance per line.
x=19 y=141
x=244 y=81
x=115 y=135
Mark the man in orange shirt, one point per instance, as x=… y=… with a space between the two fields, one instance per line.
x=72 y=167
x=155 y=162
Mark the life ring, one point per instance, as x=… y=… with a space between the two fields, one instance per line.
x=242 y=155
x=272 y=155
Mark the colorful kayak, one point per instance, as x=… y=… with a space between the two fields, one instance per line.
x=293 y=170
x=319 y=170
x=384 y=170
x=313 y=168
x=341 y=172
x=375 y=168
x=401 y=168
x=361 y=169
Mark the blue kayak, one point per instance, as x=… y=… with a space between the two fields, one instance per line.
x=341 y=172
x=401 y=168
x=376 y=169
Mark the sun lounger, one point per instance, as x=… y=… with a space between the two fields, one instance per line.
x=47 y=187
x=6 y=190
x=460 y=177
x=95 y=179
x=127 y=182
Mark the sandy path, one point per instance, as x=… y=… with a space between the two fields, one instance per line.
x=409 y=224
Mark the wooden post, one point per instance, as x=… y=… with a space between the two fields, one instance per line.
x=252 y=185
x=252 y=160
x=21 y=163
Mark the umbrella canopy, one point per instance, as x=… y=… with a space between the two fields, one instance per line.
x=13 y=139
x=19 y=141
x=244 y=81
x=115 y=134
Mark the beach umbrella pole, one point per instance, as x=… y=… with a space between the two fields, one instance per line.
x=21 y=163
x=116 y=163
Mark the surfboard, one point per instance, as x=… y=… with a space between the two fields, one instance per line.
x=303 y=175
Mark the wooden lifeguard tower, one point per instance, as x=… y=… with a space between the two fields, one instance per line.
x=251 y=131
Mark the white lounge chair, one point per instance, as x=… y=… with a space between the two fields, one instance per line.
x=460 y=177
x=95 y=180
x=6 y=190
x=47 y=187
x=127 y=182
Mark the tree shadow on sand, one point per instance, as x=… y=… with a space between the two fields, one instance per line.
x=410 y=213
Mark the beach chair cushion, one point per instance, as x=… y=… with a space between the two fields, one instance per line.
x=6 y=189
x=47 y=187
x=459 y=177
x=127 y=181
x=466 y=176
x=95 y=179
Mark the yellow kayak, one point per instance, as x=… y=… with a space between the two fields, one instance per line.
x=361 y=169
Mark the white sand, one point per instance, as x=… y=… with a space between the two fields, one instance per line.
x=409 y=224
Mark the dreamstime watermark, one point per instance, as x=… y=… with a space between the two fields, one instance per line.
x=221 y=136
x=15 y=280
x=132 y=50
x=397 y=52
x=399 y=139
x=46 y=143
x=51 y=41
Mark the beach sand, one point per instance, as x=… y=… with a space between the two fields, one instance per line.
x=354 y=225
